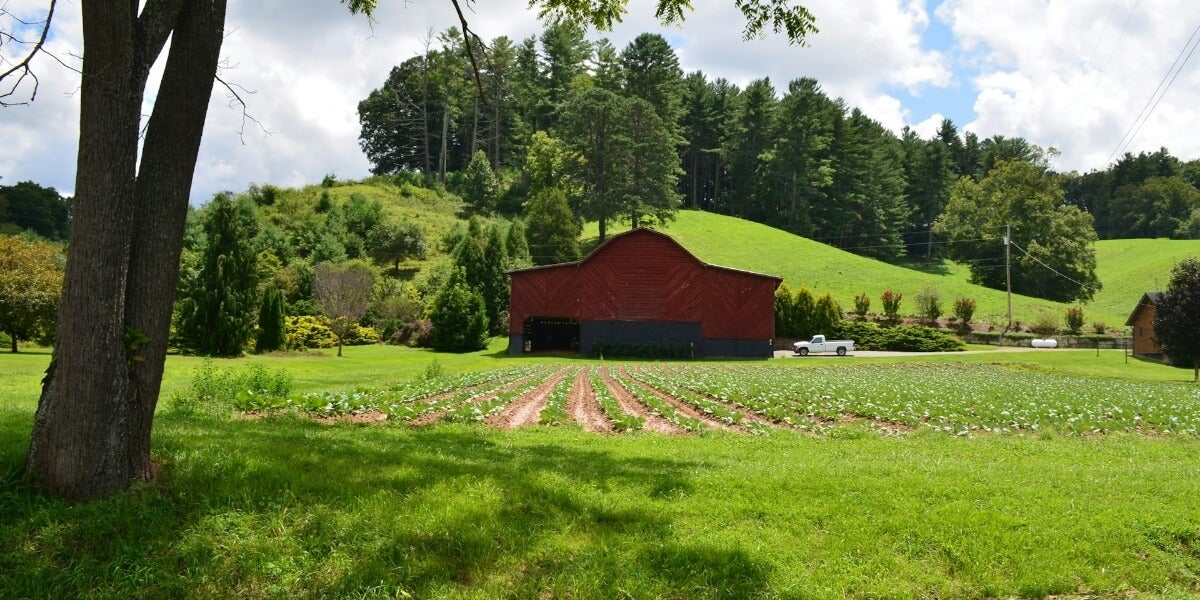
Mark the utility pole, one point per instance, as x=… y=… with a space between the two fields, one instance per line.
x=1008 y=270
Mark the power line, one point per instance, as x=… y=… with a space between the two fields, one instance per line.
x=1039 y=261
x=1164 y=84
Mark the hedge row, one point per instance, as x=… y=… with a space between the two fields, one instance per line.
x=905 y=338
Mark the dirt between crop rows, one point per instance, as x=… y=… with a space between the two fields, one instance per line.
x=684 y=408
x=436 y=416
x=629 y=404
x=583 y=407
x=526 y=410
x=748 y=416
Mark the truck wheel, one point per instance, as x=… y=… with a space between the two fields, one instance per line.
x=841 y=351
x=803 y=352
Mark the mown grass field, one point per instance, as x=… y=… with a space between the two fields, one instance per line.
x=290 y=507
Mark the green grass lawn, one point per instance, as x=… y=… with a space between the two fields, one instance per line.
x=1130 y=268
x=287 y=507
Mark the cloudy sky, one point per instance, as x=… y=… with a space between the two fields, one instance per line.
x=1078 y=75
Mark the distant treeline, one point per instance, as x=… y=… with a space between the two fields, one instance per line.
x=792 y=158
x=30 y=207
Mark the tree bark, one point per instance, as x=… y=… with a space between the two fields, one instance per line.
x=91 y=434
x=13 y=338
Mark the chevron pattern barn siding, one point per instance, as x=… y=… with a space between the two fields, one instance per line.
x=644 y=275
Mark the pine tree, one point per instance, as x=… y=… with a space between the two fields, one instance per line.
x=479 y=184
x=458 y=317
x=516 y=247
x=552 y=230
x=494 y=285
x=271 y=333
x=218 y=319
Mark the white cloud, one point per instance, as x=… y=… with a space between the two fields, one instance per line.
x=1072 y=75
x=1040 y=70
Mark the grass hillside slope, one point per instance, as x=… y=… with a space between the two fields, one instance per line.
x=1130 y=268
x=742 y=244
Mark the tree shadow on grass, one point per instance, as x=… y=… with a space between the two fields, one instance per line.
x=289 y=507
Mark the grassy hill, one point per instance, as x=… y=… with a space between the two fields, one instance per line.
x=1127 y=268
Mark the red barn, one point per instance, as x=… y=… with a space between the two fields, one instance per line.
x=642 y=287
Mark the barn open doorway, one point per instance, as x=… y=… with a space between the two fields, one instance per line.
x=544 y=334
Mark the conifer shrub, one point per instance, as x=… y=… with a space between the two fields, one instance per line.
x=862 y=304
x=459 y=317
x=1074 y=319
x=272 y=334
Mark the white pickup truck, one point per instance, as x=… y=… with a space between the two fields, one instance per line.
x=818 y=344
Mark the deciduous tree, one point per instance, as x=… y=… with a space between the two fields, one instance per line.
x=1175 y=324
x=1053 y=254
x=344 y=293
x=396 y=241
x=31 y=281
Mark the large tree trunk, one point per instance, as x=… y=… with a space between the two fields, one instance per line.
x=91 y=434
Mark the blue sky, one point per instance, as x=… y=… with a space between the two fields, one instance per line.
x=1031 y=68
x=955 y=101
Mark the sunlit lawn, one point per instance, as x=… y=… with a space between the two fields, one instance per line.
x=286 y=507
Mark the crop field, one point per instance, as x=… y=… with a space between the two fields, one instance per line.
x=392 y=473
x=956 y=398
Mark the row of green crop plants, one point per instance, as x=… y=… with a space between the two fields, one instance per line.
x=466 y=397
x=954 y=398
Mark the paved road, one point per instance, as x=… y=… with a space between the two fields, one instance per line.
x=876 y=353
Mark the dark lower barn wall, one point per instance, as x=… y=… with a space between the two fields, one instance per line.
x=657 y=332
x=638 y=332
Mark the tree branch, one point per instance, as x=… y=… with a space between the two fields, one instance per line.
x=22 y=68
x=467 y=36
x=237 y=99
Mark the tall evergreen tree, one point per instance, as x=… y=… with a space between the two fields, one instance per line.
x=458 y=317
x=653 y=167
x=928 y=175
x=219 y=316
x=748 y=138
x=800 y=169
x=271 y=332
x=594 y=126
x=566 y=53
x=606 y=67
x=701 y=130
x=652 y=73
x=552 y=231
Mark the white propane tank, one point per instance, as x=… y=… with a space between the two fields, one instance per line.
x=1048 y=343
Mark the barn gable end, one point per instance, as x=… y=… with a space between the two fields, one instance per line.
x=1141 y=324
x=642 y=287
